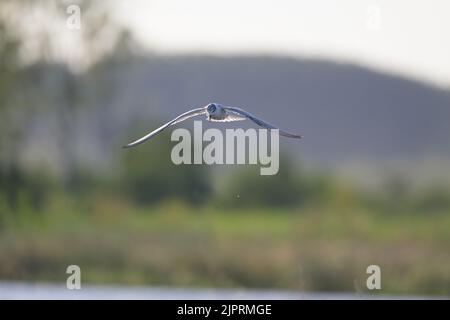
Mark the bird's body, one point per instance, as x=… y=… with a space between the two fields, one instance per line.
x=217 y=113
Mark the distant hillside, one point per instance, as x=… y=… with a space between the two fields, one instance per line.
x=345 y=112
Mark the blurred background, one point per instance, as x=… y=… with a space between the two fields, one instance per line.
x=366 y=82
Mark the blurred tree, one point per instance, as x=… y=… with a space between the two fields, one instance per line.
x=398 y=194
x=150 y=176
x=435 y=199
x=42 y=86
x=290 y=187
x=9 y=131
x=9 y=76
x=46 y=86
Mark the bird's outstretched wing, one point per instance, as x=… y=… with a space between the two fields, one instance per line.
x=260 y=122
x=182 y=117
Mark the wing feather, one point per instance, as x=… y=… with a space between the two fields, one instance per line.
x=230 y=117
x=182 y=117
x=261 y=122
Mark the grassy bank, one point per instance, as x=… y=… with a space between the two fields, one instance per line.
x=317 y=248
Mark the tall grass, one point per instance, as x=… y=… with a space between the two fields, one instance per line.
x=316 y=248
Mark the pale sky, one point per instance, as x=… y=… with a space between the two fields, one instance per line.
x=410 y=37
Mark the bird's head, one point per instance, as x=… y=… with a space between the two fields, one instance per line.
x=211 y=108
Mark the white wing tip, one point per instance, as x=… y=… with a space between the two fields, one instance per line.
x=132 y=144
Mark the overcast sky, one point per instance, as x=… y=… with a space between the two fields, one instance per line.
x=411 y=37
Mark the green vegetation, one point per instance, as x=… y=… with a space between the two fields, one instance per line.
x=322 y=241
x=142 y=220
x=323 y=248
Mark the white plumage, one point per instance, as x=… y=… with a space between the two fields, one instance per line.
x=217 y=113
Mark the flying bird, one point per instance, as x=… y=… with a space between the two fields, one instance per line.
x=217 y=113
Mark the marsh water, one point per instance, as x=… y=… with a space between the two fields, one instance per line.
x=44 y=291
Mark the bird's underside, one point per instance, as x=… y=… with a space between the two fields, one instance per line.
x=229 y=117
x=216 y=113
